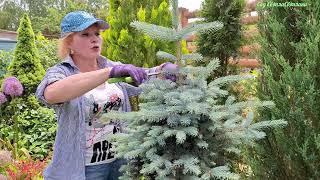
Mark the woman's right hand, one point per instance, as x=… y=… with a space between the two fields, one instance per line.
x=136 y=73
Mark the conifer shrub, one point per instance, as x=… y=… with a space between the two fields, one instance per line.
x=183 y=129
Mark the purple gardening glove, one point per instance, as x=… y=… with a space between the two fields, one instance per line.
x=136 y=73
x=169 y=67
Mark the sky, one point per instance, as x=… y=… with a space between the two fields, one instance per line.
x=190 y=4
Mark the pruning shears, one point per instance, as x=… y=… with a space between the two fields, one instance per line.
x=127 y=79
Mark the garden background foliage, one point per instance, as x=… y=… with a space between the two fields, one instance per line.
x=36 y=124
x=224 y=43
x=290 y=78
x=123 y=43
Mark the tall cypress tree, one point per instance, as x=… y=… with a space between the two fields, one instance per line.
x=125 y=44
x=290 y=56
x=26 y=64
x=224 y=43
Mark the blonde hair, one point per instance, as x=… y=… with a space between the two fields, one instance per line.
x=63 y=46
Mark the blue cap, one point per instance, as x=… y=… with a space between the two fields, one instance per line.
x=78 y=21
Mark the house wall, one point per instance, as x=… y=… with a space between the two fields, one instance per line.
x=8 y=40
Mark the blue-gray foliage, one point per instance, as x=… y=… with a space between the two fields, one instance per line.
x=184 y=129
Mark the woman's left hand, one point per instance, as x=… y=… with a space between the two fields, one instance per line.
x=170 y=69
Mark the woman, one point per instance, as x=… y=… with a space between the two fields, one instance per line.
x=78 y=91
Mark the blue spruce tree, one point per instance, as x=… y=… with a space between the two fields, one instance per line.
x=183 y=130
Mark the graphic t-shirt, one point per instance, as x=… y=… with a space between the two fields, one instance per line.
x=102 y=99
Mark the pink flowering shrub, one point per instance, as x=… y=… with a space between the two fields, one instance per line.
x=12 y=87
x=5 y=158
x=3 y=98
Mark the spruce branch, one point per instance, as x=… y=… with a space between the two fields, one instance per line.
x=229 y=79
x=165 y=55
x=195 y=27
x=223 y=172
x=175 y=14
x=155 y=31
x=268 y=124
x=194 y=57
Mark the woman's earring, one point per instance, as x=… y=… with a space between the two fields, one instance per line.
x=71 y=51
